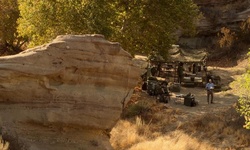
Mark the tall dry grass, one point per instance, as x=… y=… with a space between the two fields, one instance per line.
x=125 y=135
x=164 y=128
x=4 y=145
x=177 y=140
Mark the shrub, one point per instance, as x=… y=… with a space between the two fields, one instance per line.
x=243 y=106
x=3 y=144
x=227 y=39
x=140 y=108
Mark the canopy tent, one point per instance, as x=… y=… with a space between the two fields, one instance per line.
x=177 y=54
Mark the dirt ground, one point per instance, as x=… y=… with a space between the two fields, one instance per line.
x=206 y=126
x=222 y=99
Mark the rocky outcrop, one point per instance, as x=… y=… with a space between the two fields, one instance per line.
x=216 y=14
x=67 y=94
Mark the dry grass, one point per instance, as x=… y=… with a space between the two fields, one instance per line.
x=176 y=141
x=3 y=144
x=225 y=127
x=162 y=127
x=144 y=127
x=125 y=135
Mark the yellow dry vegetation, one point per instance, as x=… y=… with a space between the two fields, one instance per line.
x=209 y=132
x=163 y=127
x=4 y=145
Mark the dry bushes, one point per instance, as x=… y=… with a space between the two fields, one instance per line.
x=143 y=127
x=139 y=108
x=161 y=128
x=125 y=134
x=224 y=130
x=3 y=144
x=178 y=140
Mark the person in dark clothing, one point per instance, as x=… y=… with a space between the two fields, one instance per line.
x=180 y=72
x=194 y=69
x=154 y=71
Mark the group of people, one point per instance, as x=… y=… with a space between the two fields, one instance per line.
x=180 y=72
x=209 y=85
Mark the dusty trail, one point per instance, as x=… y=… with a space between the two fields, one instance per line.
x=223 y=99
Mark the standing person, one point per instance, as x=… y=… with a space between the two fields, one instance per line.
x=210 y=88
x=180 y=72
x=194 y=68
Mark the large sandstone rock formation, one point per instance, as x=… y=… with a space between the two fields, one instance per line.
x=216 y=14
x=67 y=94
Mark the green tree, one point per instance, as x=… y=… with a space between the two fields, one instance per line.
x=141 y=26
x=10 y=41
x=43 y=20
x=243 y=106
x=151 y=25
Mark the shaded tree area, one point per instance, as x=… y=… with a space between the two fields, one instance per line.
x=141 y=26
x=10 y=42
x=233 y=42
x=151 y=25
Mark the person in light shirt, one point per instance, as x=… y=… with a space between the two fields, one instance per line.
x=210 y=93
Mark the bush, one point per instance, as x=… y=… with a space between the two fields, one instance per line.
x=243 y=106
x=141 y=108
x=3 y=144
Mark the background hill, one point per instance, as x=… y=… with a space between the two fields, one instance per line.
x=222 y=30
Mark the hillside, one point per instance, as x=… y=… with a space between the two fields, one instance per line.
x=216 y=15
x=177 y=127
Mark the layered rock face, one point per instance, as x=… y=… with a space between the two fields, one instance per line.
x=217 y=14
x=78 y=82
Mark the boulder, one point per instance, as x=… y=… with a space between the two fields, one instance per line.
x=216 y=14
x=65 y=94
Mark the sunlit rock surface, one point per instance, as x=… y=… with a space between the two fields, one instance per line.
x=66 y=93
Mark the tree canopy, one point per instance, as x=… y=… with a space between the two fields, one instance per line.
x=10 y=41
x=42 y=21
x=151 y=25
x=141 y=26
